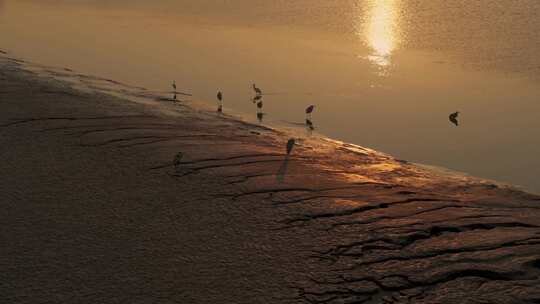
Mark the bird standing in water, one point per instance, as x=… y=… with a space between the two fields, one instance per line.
x=256 y=98
x=309 y=110
x=220 y=101
x=174 y=89
x=258 y=91
x=453 y=118
x=290 y=145
x=259 y=101
x=178 y=160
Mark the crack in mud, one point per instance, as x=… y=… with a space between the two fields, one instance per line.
x=31 y=120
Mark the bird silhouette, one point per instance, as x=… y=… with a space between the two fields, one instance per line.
x=290 y=145
x=220 y=102
x=453 y=118
x=257 y=90
x=309 y=110
x=174 y=89
x=256 y=98
x=178 y=160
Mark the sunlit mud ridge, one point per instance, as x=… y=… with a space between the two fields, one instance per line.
x=94 y=211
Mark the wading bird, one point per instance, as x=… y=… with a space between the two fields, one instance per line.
x=178 y=160
x=257 y=90
x=309 y=110
x=290 y=145
x=453 y=118
x=256 y=98
x=174 y=88
x=220 y=101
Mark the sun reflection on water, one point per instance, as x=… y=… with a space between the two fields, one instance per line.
x=381 y=31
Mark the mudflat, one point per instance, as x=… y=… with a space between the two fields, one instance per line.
x=93 y=210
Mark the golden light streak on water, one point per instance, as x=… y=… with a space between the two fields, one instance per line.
x=382 y=31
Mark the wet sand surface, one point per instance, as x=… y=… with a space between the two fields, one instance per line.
x=93 y=211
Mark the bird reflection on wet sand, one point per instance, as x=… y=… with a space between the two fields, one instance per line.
x=282 y=171
x=309 y=127
x=260 y=116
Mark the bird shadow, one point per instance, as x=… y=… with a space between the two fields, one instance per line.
x=282 y=171
x=168 y=99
